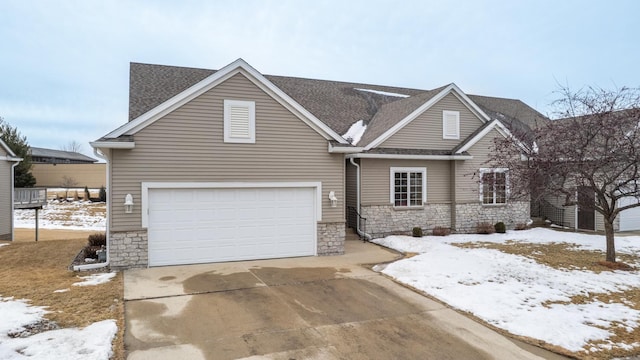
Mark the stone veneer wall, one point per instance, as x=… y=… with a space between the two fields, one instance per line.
x=469 y=215
x=331 y=238
x=128 y=249
x=383 y=220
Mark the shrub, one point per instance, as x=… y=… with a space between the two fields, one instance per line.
x=521 y=226
x=87 y=195
x=500 y=227
x=99 y=239
x=103 y=194
x=485 y=228
x=441 y=231
x=90 y=251
x=417 y=231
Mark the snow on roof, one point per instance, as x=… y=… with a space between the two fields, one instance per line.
x=355 y=132
x=385 y=93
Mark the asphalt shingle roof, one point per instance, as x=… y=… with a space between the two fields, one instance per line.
x=60 y=154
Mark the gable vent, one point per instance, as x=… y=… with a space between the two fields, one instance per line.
x=239 y=121
x=450 y=124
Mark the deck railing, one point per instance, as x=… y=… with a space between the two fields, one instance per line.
x=29 y=198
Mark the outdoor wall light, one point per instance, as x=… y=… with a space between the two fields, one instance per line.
x=333 y=199
x=128 y=204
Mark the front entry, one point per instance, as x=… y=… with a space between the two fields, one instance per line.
x=586 y=215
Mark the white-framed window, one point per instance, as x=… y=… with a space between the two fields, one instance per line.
x=239 y=121
x=408 y=186
x=451 y=124
x=494 y=186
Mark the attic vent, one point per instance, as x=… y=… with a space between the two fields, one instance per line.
x=239 y=121
x=451 y=124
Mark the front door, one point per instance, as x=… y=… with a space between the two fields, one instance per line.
x=586 y=214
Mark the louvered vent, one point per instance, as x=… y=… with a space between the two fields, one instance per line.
x=239 y=121
x=450 y=124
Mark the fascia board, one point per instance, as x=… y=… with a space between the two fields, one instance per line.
x=6 y=148
x=409 y=157
x=113 y=144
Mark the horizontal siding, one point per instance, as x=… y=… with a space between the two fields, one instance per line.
x=90 y=175
x=351 y=189
x=375 y=186
x=5 y=198
x=425 y=131
x=467 y=183
x=187 y=145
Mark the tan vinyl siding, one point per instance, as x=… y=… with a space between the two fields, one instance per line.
x=91 y=175
x=187 y=146
x=351 y=188
x=425 y=131
x=5 y=198
x=375 y=186
x=467 y=185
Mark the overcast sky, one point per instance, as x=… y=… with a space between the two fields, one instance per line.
x=64 y=65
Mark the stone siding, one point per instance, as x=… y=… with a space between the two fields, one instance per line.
x=128 y=249
x=331 y=238
x=469 y=215
x=383 y=220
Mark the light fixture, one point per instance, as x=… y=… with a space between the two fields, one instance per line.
x=128 y=204
x=333 y=199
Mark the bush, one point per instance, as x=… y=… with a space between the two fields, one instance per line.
x=500 y=227
x=91 y=251
x=417 y=231
x=521 y=226
x=87 y=195
x=99 y=239
x=485 y=228
x=441 y=231
x=103 y=194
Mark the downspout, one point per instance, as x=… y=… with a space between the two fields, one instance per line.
x=106 y=263
x=360 y=232
x=13 y=194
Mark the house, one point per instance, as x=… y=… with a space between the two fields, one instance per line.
x=234 y=165
x=58 y=169
x=8 y=161
x=51 y=156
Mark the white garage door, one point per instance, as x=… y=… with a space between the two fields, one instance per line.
x=630 y=218
x=189 y=226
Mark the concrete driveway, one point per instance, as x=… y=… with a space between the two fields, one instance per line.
x=300 y=308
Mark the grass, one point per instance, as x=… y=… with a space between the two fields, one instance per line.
x=34 y=271
x=565 y=256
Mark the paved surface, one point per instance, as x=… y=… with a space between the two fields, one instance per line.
x=300 y=308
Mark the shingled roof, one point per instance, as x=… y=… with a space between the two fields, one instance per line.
x=337 y=104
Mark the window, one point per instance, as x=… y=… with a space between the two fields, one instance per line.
x=408 y=186
x=451 y=124
x=493 y=186
x=239 y=121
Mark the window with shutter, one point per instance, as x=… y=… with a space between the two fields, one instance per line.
x=451 y=124
x=239 y=121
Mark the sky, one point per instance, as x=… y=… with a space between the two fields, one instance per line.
x=64 y=65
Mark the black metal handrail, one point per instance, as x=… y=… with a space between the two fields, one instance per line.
x=354 y=219
x=547 y=210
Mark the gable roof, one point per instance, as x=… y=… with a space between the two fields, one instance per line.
x=59 y=154
x=7 y=149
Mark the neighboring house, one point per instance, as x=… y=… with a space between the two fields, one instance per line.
x=8 y=161
x=56 y=168
x=235 y=165
x=51 y=156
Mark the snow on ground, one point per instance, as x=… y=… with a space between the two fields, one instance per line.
x=516 y=293
x=355 y=132
x=95 y=279
x=91 y=342
x=76 y=215
x=1 y=245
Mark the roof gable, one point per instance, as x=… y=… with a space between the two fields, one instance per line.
x=6 y=149
x=212 y=80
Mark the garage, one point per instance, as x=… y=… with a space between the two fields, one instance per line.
x=188 y=225
x=630 y=218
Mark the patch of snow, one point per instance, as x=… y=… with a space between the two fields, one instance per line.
x=5 y=244
x=385 y=93
x=77 y=215
x=61 y=291
x=516 y=293
x=355 y=132
x=95 y=279
x=92 y=343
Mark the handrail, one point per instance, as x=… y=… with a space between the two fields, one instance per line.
x=29 y=198
x=357 y=221
x=545 y=209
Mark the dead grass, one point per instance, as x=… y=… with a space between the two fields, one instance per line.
x=569 y=257
x=34 y=271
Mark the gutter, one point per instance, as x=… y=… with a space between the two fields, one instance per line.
x=106 y=263
x=13 y=192
x=368 y=237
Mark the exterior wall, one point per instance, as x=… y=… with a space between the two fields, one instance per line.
x=384 y=220
x=351 y=196
x=469 y=215
x=187 y=145
x=92 y=176
x=375 y=177
x=570 y=215
x=331 y=238
x=128 y=249
x=467 y=182
x=6 y=186
x=425 y=131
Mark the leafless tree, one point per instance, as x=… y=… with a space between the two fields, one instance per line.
x=72 y=146
x=594 y=147
x=67 y=183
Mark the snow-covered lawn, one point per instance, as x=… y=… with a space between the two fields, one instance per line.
x=522 y=296
x=75 y=215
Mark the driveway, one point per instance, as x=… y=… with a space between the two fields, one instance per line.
x=298 y=308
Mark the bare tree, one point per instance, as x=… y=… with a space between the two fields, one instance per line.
x=67 y=183
x=72 y=146
x=593 y=149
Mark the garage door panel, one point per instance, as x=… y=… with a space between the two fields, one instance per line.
x=224 y=224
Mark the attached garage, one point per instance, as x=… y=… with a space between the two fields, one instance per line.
x=630 y=218
x=193 y=223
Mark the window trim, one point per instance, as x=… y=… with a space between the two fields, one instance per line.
x=408 y=170
x=444 y=127
x=506 y=186
x=251 y=106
